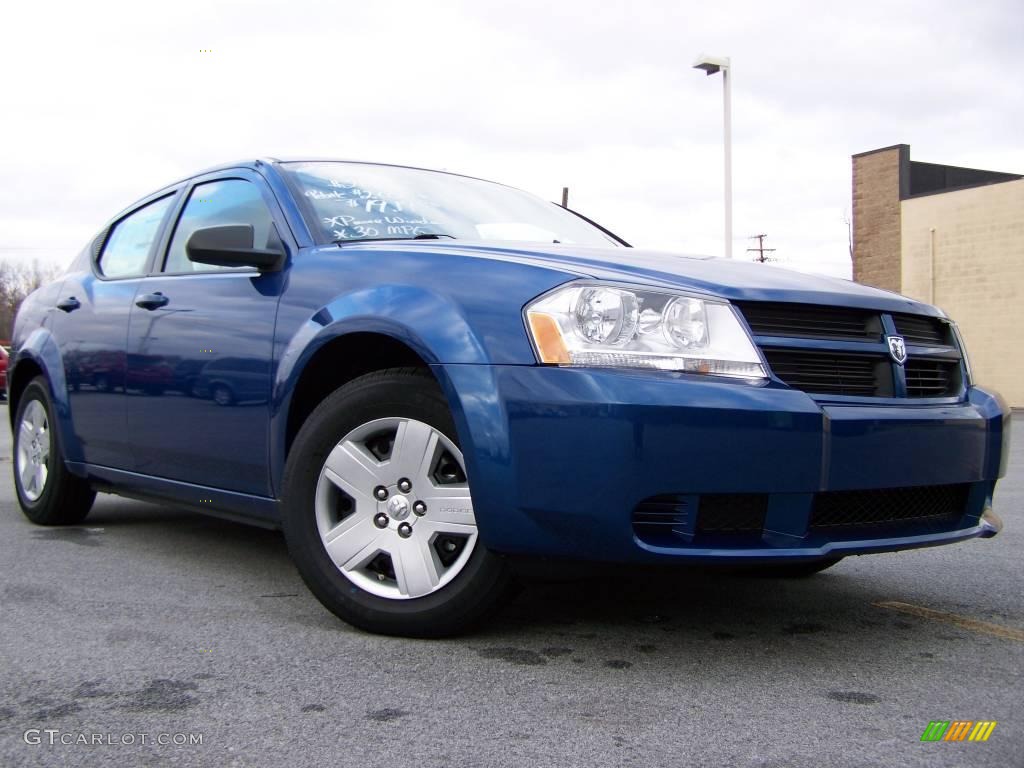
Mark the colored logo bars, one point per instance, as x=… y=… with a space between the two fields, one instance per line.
x=958 y=730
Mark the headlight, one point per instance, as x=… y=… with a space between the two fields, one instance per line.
x=611 y=326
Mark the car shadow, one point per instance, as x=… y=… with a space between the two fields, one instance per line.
x=624 y=614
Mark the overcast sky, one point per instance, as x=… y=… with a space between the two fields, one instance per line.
x=103 y=102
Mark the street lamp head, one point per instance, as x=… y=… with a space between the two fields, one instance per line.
x=712 y=64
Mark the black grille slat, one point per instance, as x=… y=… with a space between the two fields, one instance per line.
x=917 y=329
x=659 y=516
x=931 y=378
x=830 y=373
x=810 y=321
x=889 y=506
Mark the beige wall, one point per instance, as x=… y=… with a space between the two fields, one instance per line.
x=978 y=276
x=876 y=218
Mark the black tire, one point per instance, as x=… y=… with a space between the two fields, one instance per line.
x=475 y=591
x=65 y=499
x=794 y=570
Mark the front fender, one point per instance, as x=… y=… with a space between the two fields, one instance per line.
x=430 y=324
x=40 y=348
x=442 y=332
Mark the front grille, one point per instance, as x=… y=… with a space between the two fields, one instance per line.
x=811 y=321
x=932 y=378
x=889 y=506
x=660 y=516
x=832 y=373
x=826 y=350
x=916 y=329
x=732 y=513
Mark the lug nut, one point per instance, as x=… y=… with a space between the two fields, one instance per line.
x=419 y=508
x=405 y=530
x=380 y=520
x=380 y=493
x=404 y=485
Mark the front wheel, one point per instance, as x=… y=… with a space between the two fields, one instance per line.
x=47 y=493
x=378 y=512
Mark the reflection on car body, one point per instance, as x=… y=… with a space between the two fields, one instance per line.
x=234 y=381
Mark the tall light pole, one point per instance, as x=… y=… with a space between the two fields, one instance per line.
x=711 y=65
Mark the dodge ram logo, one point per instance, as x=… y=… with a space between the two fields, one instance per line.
x=897 y=348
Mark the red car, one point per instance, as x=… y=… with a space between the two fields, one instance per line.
x=3 y=372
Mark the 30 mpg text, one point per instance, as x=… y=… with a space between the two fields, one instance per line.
x=351 y=227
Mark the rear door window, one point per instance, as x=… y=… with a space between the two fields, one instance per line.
x=126 y=252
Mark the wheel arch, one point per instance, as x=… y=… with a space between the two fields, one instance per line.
x=382 y=326
x=39 y=355
x=332 y=364
x=18 y=378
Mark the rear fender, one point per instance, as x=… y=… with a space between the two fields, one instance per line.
x=41 y=348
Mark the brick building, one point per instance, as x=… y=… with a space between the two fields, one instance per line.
x=953 y=237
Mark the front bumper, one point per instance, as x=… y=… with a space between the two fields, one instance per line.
x=560 y=458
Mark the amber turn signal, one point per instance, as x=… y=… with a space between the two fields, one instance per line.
x=548 y=338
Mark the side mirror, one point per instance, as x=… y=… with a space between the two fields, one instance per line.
x=230 y=245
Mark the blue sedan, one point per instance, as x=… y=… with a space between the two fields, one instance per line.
x=417 y=375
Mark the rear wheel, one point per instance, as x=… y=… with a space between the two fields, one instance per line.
x=379 y=515
x=47 y=493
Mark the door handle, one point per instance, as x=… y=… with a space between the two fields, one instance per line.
x=69 y=304
x=151 y=300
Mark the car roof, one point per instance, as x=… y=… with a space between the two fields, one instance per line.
x=257 y=162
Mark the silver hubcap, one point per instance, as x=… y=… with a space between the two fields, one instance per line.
x=33 y=450
x=394 y=510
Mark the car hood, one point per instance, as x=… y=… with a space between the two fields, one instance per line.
x=726 y=278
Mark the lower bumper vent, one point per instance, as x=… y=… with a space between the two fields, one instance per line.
x=661 y=516
x=732 y=513
x=889 y=506
x=668 y=518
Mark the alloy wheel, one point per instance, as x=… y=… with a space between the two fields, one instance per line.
x=394 y=510
x=33 y=450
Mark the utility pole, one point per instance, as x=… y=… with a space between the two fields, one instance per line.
x=565 y=197
x=760 y=249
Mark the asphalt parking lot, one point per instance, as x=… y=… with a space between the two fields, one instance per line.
x=152 y=621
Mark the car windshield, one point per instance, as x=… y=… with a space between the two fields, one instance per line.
x=361 y=201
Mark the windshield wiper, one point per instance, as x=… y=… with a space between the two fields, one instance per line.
x=424 y=236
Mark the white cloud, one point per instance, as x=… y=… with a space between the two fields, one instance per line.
x=104 y=102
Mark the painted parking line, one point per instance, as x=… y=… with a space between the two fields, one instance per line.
x=984 y=627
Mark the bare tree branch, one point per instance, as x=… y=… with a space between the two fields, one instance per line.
x=18 y=280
